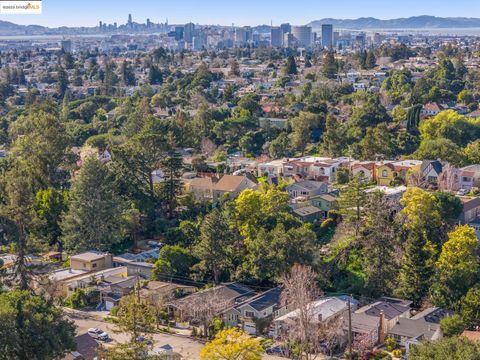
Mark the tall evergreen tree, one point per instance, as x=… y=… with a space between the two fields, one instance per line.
x=417 y=268
x=214 y=247
x=171 y=186
x=32 y=328
x=291 y=66
x=329 y=65
x=332 y=137
x=94 y=217
x=379 y=245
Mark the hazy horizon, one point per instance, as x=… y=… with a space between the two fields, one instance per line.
x=58 y=13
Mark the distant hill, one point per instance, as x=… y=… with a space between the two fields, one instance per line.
x=9 y=28
x=414 y=22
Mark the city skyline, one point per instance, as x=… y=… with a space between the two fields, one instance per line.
x=214 y=12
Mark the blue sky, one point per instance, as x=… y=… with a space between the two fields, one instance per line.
x=240 y=12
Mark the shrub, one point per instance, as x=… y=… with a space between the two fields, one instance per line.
x=397 y=352
x=390 y=343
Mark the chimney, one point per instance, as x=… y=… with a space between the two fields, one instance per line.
x=381 y=327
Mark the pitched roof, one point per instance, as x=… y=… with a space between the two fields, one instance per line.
x=88 y=256
x=436 y=165
x=229 y=182
x=264 y=300
x=201 y=182
x=390 y=310
x=307 y=210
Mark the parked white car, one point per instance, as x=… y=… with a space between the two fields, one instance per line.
x=98 y=334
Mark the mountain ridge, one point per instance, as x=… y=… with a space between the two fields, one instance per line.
x=413 y=22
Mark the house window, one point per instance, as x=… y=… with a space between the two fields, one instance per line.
x=384 y=173
x=94 y=265
x=465 y=179
x=249 y=314
x=304 y=193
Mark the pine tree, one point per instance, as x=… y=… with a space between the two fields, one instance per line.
x=379 y=244
x=171 y=186
x=371 y=60
x=329 y=66
x=291 y=66
x=352 y=201
x=417 y=267
x=94 y=217
x=332 y=137
x=214 y=247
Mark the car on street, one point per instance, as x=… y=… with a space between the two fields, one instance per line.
x=277 y=350
x=98 y=334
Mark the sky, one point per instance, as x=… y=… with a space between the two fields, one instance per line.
x=239 y=12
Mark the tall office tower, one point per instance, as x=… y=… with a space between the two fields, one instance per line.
x=189 y=32
x=276 y=36
x=179 y=33
x=130 y=20
x=148 y=23
x=243 y=35
x=327 y=36
x=288 y=40
x=336 y=36
x=66 y=45
x=100 y=25
x=302 y=35
x=286 y=28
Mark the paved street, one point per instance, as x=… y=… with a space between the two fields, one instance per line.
x=188 y=348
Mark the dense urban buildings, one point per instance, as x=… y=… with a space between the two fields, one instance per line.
x=179 y=190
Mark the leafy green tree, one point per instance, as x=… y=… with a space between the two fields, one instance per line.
x=134 y=316
x=470 y=308
x=214 y=248
x=452 y=325
x=232 y=344
x=451 y=126
x=302 y=126
x=333 y=139
x=270 y=253
x=458 y=267
x=129 y=351
x=173 y=260
x=377 y=142
x=454 y=348
x=280 y=146
x=32 y=328
x=440 y=148
x=15 y=220
x=48 y=209
x=94 y=217
x=397 y=85
x=42 y=141
x=472 y=152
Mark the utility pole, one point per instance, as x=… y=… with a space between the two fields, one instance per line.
x=349 y=327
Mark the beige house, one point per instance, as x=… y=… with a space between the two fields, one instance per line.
x=206 y=189
x=231 y=185
x=201 y=188
x=91 y=261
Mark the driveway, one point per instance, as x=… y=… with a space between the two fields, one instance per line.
x=184 y=345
